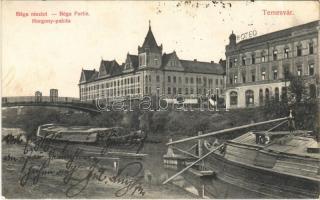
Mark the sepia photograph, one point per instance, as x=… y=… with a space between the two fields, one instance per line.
x=160 y=99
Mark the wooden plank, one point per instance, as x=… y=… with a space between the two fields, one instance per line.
x=226 y=130
x=195 y=162
x=185 y=152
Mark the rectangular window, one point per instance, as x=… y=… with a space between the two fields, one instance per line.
x=174 y=91
x=275 y=54
x=174 y=79
x=263 y=58
x=243 y=78
x=186 y=80
x=235 y=79
x=253 y=59
x=299 y=70
x=286 y=71
x=179 y=79
x=158 y=78
x=275 y=74
x=210 y=82
x=191 y=80
x=186 y=91
x=230 y=63
x=199 y=80
x=191 y=91
x=286 y=53
x=311 y=69
x=231 y=81
x=253 y=77
x=243 y=60
x=235 y=61
x=179 y=91
x=263 y=76
x=169 y=79
x=311 y=48
x=299 y=50
x=217 y=81
x=138 y=79
x=169 y=90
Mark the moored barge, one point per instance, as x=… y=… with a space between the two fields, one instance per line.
x=279 y=164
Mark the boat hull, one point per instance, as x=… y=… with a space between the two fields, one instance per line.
x=265 y=181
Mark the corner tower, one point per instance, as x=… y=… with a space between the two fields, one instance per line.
x=150 y=53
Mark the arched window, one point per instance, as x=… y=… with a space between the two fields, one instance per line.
x=249 y=97
x=312 y=90
x=261 y=97
x=276 y=94
x=267 y=94
x=233 y=98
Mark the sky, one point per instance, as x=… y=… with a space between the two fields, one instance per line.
x=42 y=56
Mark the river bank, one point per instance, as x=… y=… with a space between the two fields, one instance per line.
x=50 y=182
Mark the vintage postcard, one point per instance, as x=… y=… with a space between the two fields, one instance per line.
x=160 y=99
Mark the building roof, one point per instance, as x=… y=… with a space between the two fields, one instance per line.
x=112 y=68
x=278 y=34
x=109 y=68
x=202 y=67
x=134 y=59
x=166 y=58
x=88 y=74
x=150 y=43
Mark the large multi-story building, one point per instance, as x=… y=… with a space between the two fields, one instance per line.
x=256 y=67
x=152 y=72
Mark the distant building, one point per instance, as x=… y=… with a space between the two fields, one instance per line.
x=151 y=72
x=38 y=96
x=53 y=95
x=256 y=67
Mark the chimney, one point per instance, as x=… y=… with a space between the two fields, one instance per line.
x=195 y=60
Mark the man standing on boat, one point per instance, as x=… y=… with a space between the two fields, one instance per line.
x=291 y=124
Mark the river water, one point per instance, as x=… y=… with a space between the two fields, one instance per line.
x=50 y=183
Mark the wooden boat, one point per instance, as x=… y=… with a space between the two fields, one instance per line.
x=92 y=141
x=275 y=164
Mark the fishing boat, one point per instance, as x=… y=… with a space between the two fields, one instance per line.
x=274 y=164
x=94 y=141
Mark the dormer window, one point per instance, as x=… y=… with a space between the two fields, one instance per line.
x=142 y=60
